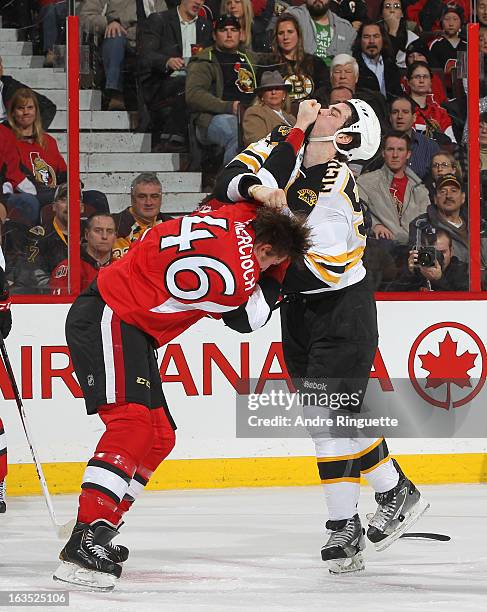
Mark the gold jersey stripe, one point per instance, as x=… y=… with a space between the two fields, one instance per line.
x=343 y=258
x=249 y=161
x=323 y=272
x=355 y=456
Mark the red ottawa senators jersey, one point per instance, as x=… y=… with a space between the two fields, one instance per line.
x=184 y=269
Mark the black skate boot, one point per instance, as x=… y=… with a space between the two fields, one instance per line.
x=85 y=561
x=398 y=510
x=3 y=497
x=343 y=551
x=116 y=553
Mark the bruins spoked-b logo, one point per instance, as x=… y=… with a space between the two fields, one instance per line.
x=308 y=196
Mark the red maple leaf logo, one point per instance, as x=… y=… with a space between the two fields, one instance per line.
x=447 y=367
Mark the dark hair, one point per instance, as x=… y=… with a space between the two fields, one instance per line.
x=341 y=87
x=94 y=215
x=411 y=102
x=387 y=49
x=442 y=232
x=483 y=117
x=287 y=234
x=304 y=61
x=412 y=67
x=398 y=134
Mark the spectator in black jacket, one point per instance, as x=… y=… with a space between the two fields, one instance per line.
x=447 y=274
x=8 y=86
x=167 y=40
x=377 y=67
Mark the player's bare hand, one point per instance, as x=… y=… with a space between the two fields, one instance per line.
x=381 y=231
x=269 y=196
x=307 y=114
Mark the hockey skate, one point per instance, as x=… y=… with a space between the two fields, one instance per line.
x=3 y=497
x=343 y=551
x=398 y=510
x=116 y=553
x=85 y=562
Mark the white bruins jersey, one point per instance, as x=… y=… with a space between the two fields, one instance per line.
x=326 y=194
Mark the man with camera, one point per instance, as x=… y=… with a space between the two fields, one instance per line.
x=434 y=267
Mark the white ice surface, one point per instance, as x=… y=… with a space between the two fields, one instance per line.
x=259 y=550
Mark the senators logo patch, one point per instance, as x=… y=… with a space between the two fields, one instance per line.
x=308 y=196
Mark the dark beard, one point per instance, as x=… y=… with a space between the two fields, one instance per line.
x=319 y=11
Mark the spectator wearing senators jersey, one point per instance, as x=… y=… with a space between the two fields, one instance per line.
x=96 y=253
x=418 y=51
x=445 y=49
x=220 y=79
x=144 y=212
x=394 y=195
x=431 y=118
x=40 y=159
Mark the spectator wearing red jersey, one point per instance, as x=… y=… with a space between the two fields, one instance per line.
x=52 y=16
x=431 y=118
x=11 y=177
x=40 y=159
x=100 y=235
x=418 y=51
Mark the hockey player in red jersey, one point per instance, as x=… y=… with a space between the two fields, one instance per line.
x=226 y=264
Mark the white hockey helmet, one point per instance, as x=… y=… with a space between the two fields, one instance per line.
x=368 y=126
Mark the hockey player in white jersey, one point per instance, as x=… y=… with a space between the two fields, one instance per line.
x=328 y=321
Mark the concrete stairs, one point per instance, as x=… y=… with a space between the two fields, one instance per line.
x=110 y=154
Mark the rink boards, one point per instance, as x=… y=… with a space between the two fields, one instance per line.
x=200 y=374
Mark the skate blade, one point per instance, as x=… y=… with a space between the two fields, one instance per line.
x=86 y=579
x=346 y=566
x=416 y=513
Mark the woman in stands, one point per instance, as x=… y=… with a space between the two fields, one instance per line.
x=254 y=16
x=268 y=110
x=305 y=73
x=431 y=118
x=418 y=51
x=401 y=31
x=40 y=159
x=441 y=163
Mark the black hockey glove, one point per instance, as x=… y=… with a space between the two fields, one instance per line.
x=5 y=315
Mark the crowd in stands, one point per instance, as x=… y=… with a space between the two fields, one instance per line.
x=211 y=77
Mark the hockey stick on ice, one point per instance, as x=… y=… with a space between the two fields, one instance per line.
x=62 y=531
x=427 y=536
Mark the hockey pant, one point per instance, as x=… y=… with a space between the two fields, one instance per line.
x=135 y=442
